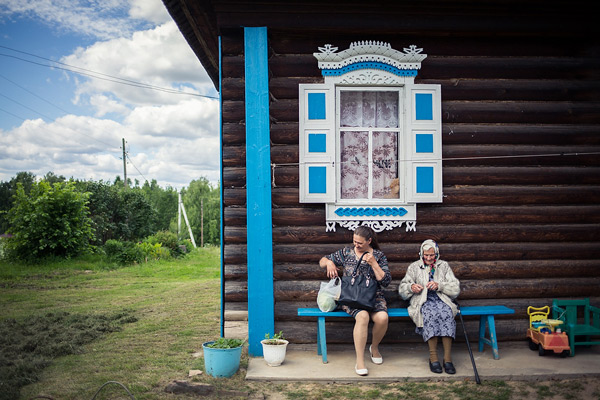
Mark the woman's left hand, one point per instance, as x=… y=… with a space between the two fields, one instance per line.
x=369 y=259
x=432 y=285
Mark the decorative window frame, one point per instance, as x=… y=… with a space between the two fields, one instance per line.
x=370 y=64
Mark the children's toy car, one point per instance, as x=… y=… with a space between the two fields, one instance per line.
x=544 y=335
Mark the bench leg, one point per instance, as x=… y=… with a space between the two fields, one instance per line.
x=492 y=341
x=321 y=339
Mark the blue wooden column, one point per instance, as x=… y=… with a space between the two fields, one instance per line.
x=261 y=313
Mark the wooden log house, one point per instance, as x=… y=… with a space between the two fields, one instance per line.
x=519 y=220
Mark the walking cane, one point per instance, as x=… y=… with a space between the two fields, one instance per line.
x=468 y=345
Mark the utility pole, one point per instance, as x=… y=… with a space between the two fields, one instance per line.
x=182 y=210
x=124 y=165
x=201 y=222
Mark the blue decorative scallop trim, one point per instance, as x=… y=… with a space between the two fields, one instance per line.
x=371 y=211
x=370 y=65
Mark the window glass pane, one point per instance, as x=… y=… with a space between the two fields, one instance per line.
x=369 y=109
x=385 y=165
x=387 y=110
x=354 y=169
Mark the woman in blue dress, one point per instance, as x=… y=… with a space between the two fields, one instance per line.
x=364 y=243
x=431 y=286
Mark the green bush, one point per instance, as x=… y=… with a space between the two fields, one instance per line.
x=154 y=251
x=169 y=241
x=50 y=221
x=123 y=252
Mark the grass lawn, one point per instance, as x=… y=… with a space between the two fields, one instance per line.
x=170 y=309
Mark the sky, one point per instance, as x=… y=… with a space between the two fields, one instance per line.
x=77 y=77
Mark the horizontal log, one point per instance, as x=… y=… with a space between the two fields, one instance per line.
x=235 y=196
x=455 y=111
x=404 y=252
x=457 y=155
x=285 y=42
x=442 y=214
x=463 y=195
x=520 y=134
x=469 y=289
x=463 y=89
x=514 y=269
x=234 y=133
x=482 y=233
x=482 y=175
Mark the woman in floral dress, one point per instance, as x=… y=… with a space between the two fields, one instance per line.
x=364 y=243
x=431 y=286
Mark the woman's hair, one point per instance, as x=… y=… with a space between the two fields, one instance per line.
x=368 y=233
x=429 y=244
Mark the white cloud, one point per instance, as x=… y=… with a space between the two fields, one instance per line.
x=153 y=10
x=158 y=57
x=173 y=138
x=99 y=19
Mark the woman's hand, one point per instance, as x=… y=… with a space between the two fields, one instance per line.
x=431 y=285
x=332 y=271
x=416 y=288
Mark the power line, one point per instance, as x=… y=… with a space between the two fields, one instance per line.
x=97 y=75
x=14 y=115
x=33 y=94
x=136 y=168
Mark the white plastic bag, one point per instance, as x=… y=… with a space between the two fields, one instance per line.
x=328 y=294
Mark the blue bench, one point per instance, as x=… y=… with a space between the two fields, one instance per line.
x=486 y=319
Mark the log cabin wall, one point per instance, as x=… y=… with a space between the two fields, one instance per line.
x=519 y=223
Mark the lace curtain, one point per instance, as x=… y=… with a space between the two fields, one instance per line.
x=368 y=110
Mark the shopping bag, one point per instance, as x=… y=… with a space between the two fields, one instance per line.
x=328 y=294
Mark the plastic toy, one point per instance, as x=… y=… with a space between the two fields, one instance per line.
x=544 y=335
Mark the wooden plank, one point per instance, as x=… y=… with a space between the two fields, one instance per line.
x=442 y=214
x=484 y=175
x=457 y=155
x=481 y=233
x=466 y=195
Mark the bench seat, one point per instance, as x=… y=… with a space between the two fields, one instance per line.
x=486 y=319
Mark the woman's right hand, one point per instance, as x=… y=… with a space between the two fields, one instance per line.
x=416 y=288
x=332 y=271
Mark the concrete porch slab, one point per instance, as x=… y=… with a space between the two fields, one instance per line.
x=410 y=362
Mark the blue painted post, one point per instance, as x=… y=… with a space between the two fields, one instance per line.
x=261 y=313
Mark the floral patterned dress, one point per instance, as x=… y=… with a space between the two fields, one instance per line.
x=346 y=258
x=438 y=319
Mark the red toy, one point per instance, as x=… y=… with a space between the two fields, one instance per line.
x=544 y=334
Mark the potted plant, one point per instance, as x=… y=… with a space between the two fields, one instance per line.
x=222 y=357
x=274 y=348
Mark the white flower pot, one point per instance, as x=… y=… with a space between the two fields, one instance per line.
x=274 y=354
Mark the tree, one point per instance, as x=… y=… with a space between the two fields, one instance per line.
x=7 y=192
x=164 y=202
x=119 y=213
x=53 y=220
x=202 y=198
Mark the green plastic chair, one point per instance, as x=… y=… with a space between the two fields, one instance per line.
x=580 y=330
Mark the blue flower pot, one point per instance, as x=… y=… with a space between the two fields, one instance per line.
x=221 y=363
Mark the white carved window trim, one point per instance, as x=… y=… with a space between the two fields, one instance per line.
x=368 y=66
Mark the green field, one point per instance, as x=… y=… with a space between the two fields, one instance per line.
x=143 y=325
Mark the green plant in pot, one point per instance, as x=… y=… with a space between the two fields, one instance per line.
x=222 y=357
x=274 y=348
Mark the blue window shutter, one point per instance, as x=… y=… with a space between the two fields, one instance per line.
x=424 y=143
x=317 y=106
x=425 y=181
x=424 y=106
x=317 y=143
